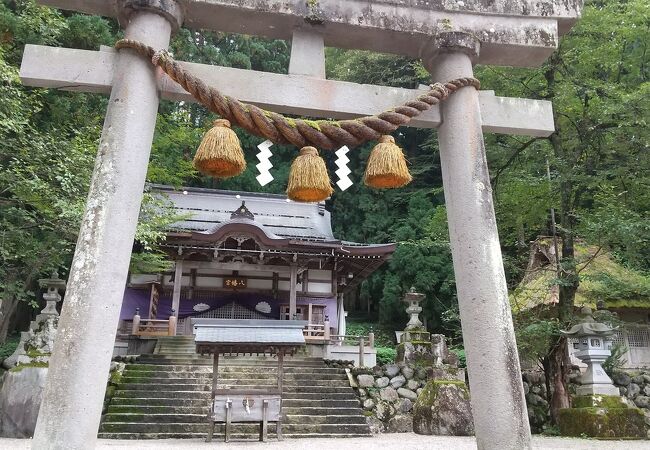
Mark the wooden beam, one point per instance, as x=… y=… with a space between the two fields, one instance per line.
x=244 y=267
x=92 y=71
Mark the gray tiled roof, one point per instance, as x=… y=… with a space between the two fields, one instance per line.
x=251 y=333
x=210 y=208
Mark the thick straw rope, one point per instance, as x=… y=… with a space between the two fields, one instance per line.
x=323 y=134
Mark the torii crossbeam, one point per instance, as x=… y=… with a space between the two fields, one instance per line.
x=450 y=36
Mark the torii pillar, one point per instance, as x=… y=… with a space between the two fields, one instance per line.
x=488 y=333
x=71 y=407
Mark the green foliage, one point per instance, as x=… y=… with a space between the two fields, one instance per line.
x=535 y=335
x=386 y=355
x=384 y=336
x=616 y=360
x=460 y=352
x=598 y=158
x=9 y=347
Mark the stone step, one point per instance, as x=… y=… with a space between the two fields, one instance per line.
x=167 y=368
x=315 y=403
x=217 y=437
x=174 y=387
x=204 y=402
x=157 y=427
x=207 y=362
x=238 y=361
x=262 y=379
x=324 y=419
x=203 y=409
x=349 y=395
x=306 y=419
x=167 y=402
x=205 y=395
x=232 y=374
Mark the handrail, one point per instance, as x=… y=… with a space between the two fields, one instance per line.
x=153 y=327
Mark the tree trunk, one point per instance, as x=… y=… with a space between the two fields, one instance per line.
x=559 y=365
x=8 y=305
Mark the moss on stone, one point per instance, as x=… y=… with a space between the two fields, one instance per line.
x=32 y=352
x=603 y=423
x=600 y=401
x=430 y=390
x=443 y=405
x=22 y=366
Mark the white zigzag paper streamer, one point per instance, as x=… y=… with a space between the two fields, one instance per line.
x=265 y=165
x=343 y=171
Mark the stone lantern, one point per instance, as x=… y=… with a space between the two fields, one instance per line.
x=594 y=346
x=53 y=285
x=413 y=299
x=597 y=408
x=414 y=330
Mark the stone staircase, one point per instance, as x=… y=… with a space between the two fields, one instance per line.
x=167 y=395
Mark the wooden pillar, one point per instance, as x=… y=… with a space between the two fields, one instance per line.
x=215 y=372
x=178 y=281
x=280 y=388
x=292 y=291
x=171 y=331
x=326 y=334
x=136 y=323
x=361 y=350
x=340 y=324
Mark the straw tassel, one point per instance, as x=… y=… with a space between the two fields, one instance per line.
x=308 y=177
x=220 y=154
x=386 y=166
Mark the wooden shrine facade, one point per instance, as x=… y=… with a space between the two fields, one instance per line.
x=244 y=255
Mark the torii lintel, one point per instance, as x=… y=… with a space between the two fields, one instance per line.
x=512 y=32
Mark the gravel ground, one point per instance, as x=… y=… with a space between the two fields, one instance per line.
x=405 y=441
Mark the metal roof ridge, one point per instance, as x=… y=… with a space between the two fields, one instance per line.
x=198 y=190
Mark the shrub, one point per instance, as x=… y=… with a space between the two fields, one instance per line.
x=386 y=355
x=616 y=360
x=460 y=352
x=384 y=336
x=7 y=349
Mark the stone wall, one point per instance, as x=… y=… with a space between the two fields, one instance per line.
x=388 y=393
x=633 y=385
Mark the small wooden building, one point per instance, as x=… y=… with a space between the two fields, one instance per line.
x=239 y=255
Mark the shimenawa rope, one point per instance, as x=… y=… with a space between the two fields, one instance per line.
x=324 y=134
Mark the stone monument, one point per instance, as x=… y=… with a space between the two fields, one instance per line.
x=598 y=409
x=443 y=405
x=23 y=384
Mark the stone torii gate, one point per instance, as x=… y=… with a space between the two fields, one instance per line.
x=449 y=35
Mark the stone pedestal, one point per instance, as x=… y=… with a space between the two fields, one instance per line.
x=602 y=416
x=20 y=400
x=443 y=408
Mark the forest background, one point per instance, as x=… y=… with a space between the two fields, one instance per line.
x=594 y=171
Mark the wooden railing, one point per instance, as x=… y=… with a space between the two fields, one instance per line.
x=362 y=341
x=317 y=333
x=153 y=327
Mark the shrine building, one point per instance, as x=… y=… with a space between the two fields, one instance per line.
x=242 y=255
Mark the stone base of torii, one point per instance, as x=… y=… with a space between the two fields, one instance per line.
x=449 y=38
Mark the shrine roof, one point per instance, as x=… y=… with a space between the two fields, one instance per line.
x=209 y=209
x=249 y=332
x=211 y=214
